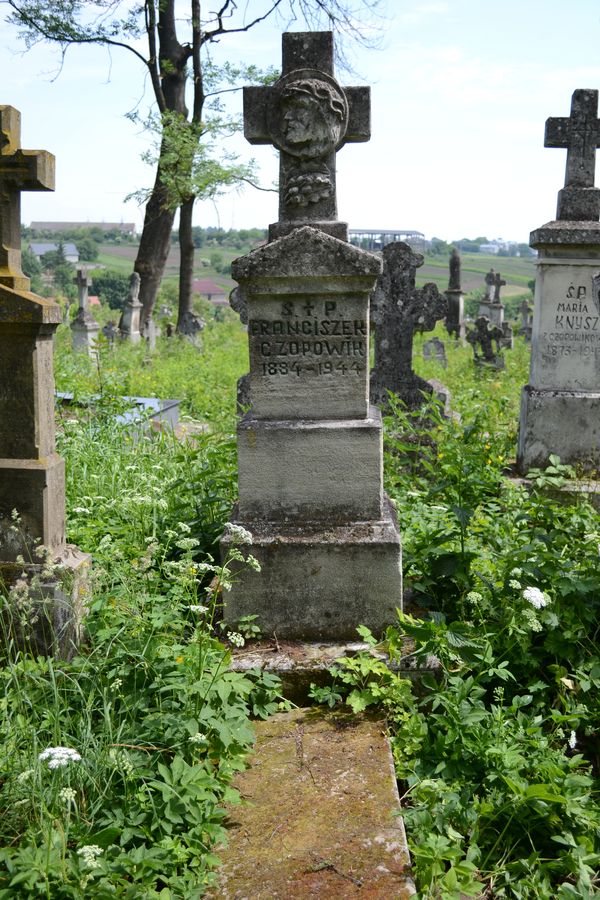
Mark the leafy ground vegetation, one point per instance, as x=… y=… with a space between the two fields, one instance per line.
x=115 y=766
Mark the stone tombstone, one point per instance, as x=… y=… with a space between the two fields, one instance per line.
x=455 y=317
x=84 y=327
x=398 y=309
x=191 y=327
x=486 y=340
x=435 y=349
x=526 y=320
x=560 y=407
x=308 y=116
x=151 y=332
x=489 y=281
x=129 y=323
x=110 y=332
x=32 y=474
x=310 y=446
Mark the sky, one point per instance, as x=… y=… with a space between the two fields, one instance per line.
x=460 y=92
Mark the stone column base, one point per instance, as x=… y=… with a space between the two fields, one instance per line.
x=45 y=617
x=319 y=582
x=566 y=423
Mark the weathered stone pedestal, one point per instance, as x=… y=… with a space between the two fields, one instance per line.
x=310 y=449
x=42 y=581
x=560 y=407
x=84 y=328
x=129 y=323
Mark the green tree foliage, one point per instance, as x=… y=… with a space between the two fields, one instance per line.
x=33 y=269
x=87 y=249
x=112 y=287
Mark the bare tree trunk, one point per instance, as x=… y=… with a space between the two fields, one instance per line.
x=186 y=263
x=155 y=243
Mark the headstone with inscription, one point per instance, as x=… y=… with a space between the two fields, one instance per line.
x=129 y=323
x=310 y=446
x=560 y=407
x=84 y=327
x=398 y=309
x=455 y=317
x=32 y=476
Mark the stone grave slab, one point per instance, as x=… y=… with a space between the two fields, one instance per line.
x=320 y=814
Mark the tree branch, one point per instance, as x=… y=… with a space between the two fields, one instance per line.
x=220 y=29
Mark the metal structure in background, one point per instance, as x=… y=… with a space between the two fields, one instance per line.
x=376 y=238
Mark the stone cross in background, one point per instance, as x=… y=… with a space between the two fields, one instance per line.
x=32 y=474
x=84 y=327
x=20 y=170
x=486 y=339
x=308 y=116
x=455 y=318
x=525 y=329
x=499 y=283
x=398 y=309
x=579 y=134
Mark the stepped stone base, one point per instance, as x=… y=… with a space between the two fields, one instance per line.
x=306 y=469
x=46 y=619
x=319 y=814
x=566 y=423
x=36 y=490
x=319 y=582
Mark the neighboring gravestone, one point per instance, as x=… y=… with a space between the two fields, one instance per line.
x=560 y=407
x=526 y=320
x=486 y=339
x=129 y=323
x=493 y=309
x=398 y=309
x=310 y=448
x=84 y=327
x=151 y=332
x=489 y=284
x=44 y=612
x=110 y=332
x=435 y=349
x=455 y=317
x=191 y=327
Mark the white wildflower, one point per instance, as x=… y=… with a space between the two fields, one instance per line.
x=198 y=608
x=237 y=534
x=532 y=620
x=253 y=563
x=187 y=543
x=516 y=573
x=536 y=597
x=513 y=583
x=59 y=756
x=236 y=639
x=90 y=854
x=116 y=684
x=184 y=528
x=67 y=795
x=198 y=738
x=474 y=597
x=24 y=776
x=80 y=509
x=573 y=740
x=121 y=760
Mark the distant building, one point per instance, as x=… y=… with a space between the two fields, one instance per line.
x=70 y=250
x=121 y=227
x=377 y=238
x=209 y=289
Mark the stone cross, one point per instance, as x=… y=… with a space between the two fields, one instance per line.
x=580 y=136
x=83 y=282
x=454 y=277
x=20 y=170
x=308 y=116
x=398 y=309
x=482 y=338
x=499 y=282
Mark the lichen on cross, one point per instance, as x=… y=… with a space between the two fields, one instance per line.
x=308 y=116
x=580 y=136
x=20 y=170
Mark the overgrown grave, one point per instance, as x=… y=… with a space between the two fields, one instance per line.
x=45 y=579
x=310 y=462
